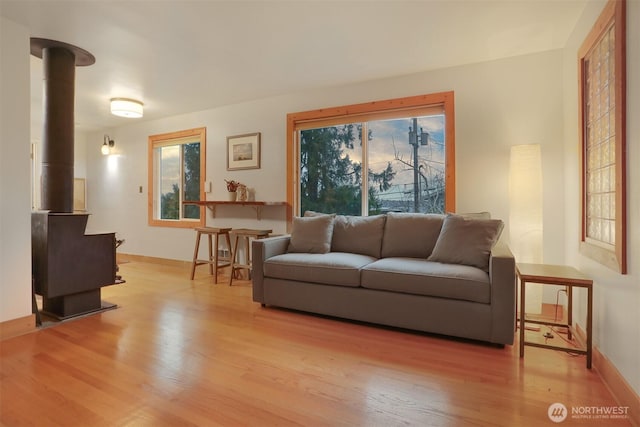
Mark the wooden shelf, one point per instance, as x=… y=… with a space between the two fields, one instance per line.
x=212 y=204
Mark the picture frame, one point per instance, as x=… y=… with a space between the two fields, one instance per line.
x=243 y=151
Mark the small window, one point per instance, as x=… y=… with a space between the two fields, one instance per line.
x=602 y=59
x=176 y=175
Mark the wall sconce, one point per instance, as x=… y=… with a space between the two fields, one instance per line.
x=107 y=145
x=124 y=107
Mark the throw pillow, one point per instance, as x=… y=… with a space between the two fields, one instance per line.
x=314 y=213
x=358 y=234
x=311 y=234
x=410 y=234
x=472 y=215
x=467 y=241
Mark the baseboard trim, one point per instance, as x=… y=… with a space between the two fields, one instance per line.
x=20 y=326
x=618 y=386
x=123 y=257
x=615 y=382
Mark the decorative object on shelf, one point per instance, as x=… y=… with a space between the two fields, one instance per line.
x=243 y=194
x=243 y=151
x=232 y=189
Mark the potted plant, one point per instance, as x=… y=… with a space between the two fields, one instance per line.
x=232 y=188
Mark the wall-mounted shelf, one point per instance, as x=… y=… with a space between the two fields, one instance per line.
x=212 y=204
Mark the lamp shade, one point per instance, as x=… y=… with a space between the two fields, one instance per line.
x=525 y=213
x=124 y=107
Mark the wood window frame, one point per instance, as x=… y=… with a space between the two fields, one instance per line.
x=167 y=139
x=613 y=255
x=378 y=109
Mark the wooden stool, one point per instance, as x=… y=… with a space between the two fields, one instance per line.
x=247 y=234
x=214 y=260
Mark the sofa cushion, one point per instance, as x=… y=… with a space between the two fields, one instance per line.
x=410 y=234
x=358 y=234
x=467 y=241
x=311 y=234
x=334 y=268
x=472 y=215
x=422 y=277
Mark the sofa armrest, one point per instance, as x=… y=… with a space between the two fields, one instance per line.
x=502 y=274
x=264 y=249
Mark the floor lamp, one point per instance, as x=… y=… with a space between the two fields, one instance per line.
x=525 y=213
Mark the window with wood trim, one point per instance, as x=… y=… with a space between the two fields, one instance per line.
x=602 y=104
x=365 y=159
x=177 y=174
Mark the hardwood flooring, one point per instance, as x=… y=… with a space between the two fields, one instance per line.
x=179 y=353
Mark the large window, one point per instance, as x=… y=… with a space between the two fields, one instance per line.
x=603 y=140
x=365 y=159
x=176 y=175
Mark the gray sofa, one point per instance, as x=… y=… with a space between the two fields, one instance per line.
x=442 y=274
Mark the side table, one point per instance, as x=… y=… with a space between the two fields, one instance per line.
x=547 y=274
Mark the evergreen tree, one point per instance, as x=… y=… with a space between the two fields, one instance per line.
x=191 y=156
x=330 y=181
x=170 y=203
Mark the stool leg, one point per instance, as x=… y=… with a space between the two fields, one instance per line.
x=210 y=256
x=247 y=255
x=234 y=255
x=215 y=260
x=229 y=247
x=195 y=255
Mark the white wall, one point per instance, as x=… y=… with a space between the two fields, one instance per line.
x=616 y=297
x=15 y=190
x=498 y=104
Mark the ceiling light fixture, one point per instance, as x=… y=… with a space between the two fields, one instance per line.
x=124 y=107
x=107 y=145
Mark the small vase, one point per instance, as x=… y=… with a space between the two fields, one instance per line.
x=232 y=196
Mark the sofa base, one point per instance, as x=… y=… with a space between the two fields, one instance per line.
x=443 y=316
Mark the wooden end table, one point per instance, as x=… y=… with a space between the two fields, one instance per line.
x=547 y=274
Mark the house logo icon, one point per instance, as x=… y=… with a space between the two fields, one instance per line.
x=557 y=412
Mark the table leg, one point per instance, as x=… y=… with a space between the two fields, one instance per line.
x=589 y=324
x=570 y=310
x=522 y=316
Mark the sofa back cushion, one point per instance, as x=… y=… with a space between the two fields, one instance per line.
x=358 y=234
x=410 y=234
x=311 y=234
x=467 y=241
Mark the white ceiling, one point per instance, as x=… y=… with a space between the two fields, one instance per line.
x=181 y=56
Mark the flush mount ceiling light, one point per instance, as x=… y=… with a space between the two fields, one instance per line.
x=124 y=107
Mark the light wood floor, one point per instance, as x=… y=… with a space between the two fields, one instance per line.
x=180 y=353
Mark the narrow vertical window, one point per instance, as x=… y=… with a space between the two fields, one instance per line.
x=176 y=175
x=602 y=138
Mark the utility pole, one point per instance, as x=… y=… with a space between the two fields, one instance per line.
x=416 y=140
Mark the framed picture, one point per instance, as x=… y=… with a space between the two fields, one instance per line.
x=243 y=151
